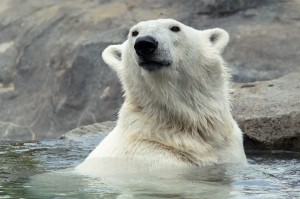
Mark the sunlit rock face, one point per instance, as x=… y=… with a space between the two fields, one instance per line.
x=268 y=112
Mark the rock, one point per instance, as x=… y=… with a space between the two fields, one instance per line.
x=229 y=7
x=90 y=135
x=52 y=77
x=103 y=127
x=268 y=112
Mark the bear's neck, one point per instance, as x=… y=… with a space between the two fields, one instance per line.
x=194 y=134
x=202 y=117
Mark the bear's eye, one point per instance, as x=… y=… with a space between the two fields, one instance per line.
x=175 y=29
x=134 y=33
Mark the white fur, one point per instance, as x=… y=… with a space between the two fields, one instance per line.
x=179 y=115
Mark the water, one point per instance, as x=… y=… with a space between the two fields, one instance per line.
x=44 y=170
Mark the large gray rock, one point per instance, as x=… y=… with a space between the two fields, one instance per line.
x=52 y=77
x=268 y=112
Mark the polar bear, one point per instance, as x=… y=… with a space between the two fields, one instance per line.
x=176 y=110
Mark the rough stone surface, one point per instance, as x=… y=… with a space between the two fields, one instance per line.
x=52 y=77
x=268 y=112
x=103 y=127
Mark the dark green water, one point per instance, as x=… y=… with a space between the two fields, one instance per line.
x=44 y=170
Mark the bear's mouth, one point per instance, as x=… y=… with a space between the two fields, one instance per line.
x=154 y=65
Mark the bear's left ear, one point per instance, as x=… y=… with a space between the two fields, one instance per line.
x=218 y=38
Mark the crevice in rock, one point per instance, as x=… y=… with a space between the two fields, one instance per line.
x=289 y=144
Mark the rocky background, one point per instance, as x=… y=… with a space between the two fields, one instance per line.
x=52 y=77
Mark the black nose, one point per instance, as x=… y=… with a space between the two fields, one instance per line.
x=145 y=46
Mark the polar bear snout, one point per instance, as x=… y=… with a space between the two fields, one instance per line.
x=145 y=46
x=149 y=56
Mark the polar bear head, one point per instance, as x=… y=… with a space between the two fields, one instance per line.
x=168 y=63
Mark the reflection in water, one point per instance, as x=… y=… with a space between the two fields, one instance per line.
x=44 y=170
x=160 y=184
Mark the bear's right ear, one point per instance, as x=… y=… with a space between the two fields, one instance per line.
x=112 y=55
x=218 y=38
